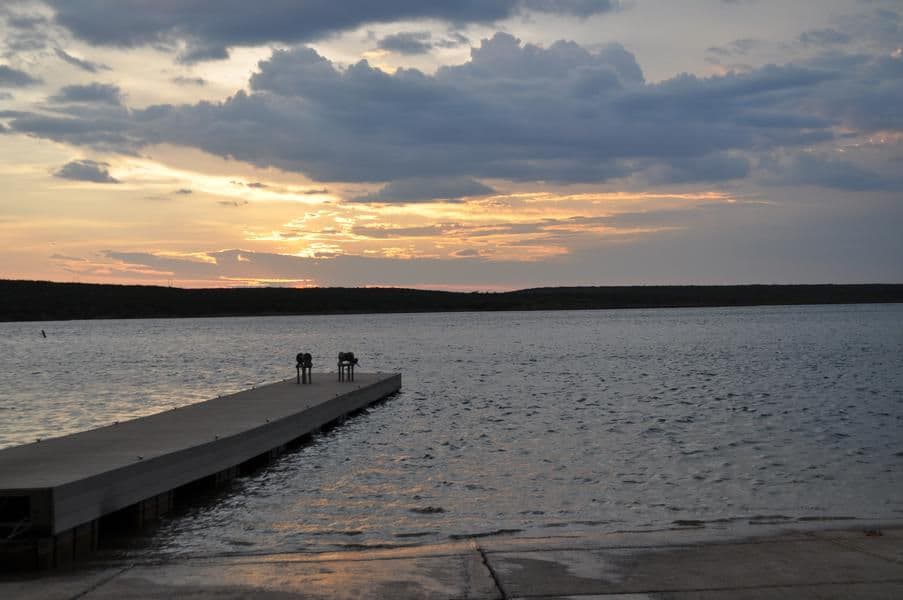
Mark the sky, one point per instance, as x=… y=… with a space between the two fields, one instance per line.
x=460 y=145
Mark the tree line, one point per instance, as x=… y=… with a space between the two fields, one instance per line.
x=44 y=300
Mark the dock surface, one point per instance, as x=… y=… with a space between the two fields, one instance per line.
x=62 y=483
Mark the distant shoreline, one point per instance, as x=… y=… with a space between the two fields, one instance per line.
x=49 y=301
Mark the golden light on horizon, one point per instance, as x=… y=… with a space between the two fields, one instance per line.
x=262 y=211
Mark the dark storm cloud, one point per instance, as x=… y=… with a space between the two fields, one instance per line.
x=100 y=93
x=85 y=65
x=427 y=190
x=407 y=42
x=86 y=170
x=515 y=111
x=210 y=27
x=10 y=77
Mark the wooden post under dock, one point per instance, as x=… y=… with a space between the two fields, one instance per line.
x=53 y=493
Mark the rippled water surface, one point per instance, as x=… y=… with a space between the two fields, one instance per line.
x=524 y=422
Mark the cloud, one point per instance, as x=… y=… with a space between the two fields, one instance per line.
x=739 y=47
x=23 y=21
x=86 y=170
x=65 y=257
x=515 y=111
x=99 y=93
x=237 y=265
x=880 y=26
x=23 y=32
x=824 y=37
x=85 y=65
x=710 y=168
x=826 y=245
x=182 y=80
x=10 y=77
x=453 y=40
x=381 y=232
x=210 y=27
x=407 y=42
x=424 y=189
x=828 y=172
x=467 y=253
x=110 y=129
x=542 y=229
x=196 y=53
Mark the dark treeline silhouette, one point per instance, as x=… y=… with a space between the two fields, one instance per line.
x=41 y=300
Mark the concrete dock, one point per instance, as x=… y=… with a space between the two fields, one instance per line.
x=862 y=560
x=54 y=493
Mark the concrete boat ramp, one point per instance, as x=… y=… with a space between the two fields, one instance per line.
x=54 y=493
x=796 y=562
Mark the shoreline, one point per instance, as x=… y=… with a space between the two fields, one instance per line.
x=452 y=311
x=134 y=547
x=801 y=560
x=35 y=301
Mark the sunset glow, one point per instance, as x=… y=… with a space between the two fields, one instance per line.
x=534 y=145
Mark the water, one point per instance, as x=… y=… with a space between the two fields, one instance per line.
x=530 y=423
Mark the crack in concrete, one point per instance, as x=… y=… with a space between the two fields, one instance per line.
x=495 y=578
x=101 y=583
x=848 y=546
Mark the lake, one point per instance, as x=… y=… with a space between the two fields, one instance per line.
x=525 y=423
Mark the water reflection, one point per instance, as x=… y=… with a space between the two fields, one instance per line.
x=513 y=422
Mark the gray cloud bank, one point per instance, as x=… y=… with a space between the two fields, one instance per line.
x=210 y=27
x=520 y=112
